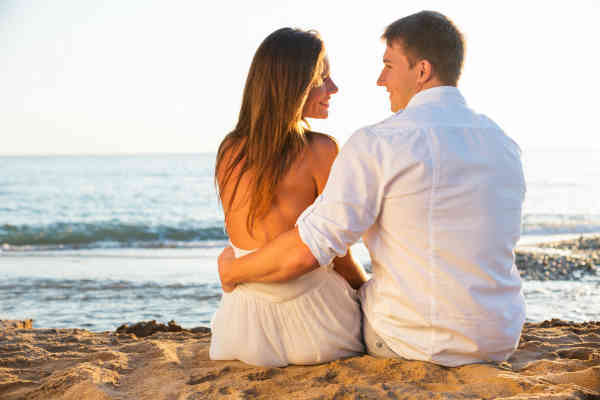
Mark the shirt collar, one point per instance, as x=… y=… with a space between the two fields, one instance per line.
x=436 y=94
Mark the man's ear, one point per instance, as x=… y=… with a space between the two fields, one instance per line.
x=424 y=71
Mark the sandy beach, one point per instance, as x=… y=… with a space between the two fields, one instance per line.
x=555 y=360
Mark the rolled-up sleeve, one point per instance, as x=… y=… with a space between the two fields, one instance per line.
x=350 y=202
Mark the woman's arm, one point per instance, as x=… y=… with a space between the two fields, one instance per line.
x=350 y=269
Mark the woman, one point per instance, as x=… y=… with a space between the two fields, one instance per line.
x=269 y=169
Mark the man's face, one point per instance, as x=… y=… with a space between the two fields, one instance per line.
x=398 y=77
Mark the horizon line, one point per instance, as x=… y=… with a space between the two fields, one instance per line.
x=524 y=147
x=150 y=153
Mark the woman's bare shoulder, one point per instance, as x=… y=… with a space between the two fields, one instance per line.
x=324 y=150
x=322 y=144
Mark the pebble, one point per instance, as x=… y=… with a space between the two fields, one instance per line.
x=582 y=258
x=581 y=243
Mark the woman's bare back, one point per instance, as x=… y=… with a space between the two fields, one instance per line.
x=302 y=183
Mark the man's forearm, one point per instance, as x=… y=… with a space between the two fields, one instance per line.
x=282 y=259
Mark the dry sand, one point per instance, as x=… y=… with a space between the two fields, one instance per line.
x=555 y=360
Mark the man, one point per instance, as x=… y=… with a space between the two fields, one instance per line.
x=436 y=193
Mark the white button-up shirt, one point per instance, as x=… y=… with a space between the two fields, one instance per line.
x=435 y=191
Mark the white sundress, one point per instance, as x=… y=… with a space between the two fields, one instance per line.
x=313 y=319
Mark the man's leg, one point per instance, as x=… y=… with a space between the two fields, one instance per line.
x=375 y=344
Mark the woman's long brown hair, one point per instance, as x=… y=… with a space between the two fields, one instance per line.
x=269 y=134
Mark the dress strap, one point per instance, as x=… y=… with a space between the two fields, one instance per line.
x=240 y=252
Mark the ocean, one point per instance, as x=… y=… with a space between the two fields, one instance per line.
x=97 y=241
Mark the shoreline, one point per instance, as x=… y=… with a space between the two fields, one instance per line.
x=554 y=360
x=101 y=290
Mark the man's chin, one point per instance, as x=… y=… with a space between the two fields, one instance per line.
x=397 y=107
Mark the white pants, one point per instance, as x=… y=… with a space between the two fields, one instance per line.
x=375 y=345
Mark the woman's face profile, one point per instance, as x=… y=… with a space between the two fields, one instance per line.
x=317 y=103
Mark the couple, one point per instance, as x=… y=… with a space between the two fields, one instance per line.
x=435 y=191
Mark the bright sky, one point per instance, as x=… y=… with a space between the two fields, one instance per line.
x=134 y=76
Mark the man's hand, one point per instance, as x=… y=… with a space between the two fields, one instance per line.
x=225 y=259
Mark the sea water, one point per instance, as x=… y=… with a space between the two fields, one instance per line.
x=96 y=241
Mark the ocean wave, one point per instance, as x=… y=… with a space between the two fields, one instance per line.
x=119 y=234
x=553 y=229
x=93 y=285
x=102 y=290
x=550 y=224
x=104 y=234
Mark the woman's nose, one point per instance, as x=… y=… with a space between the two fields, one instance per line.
x=332 y=87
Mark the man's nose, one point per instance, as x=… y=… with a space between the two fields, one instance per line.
x=381 y=80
